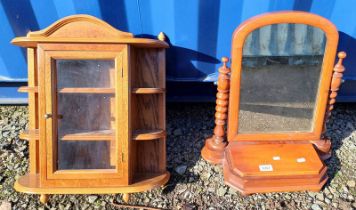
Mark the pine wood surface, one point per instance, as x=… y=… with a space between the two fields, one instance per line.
x=31 y=184
x=129 y=99
x=84 y=29
x=26 y=89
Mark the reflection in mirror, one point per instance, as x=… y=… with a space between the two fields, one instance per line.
x=279 y=78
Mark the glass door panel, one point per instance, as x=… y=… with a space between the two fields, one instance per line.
x=86 y=114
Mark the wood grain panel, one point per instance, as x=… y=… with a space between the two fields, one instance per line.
x=147 y=72
x=85 y=111
x=148 y=114
x=149 y=156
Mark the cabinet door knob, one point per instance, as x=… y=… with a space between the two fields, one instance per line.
x=47 y=116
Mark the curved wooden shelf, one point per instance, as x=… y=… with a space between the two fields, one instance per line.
x=143 y=135
x=30 y=183
x=26 y=89
x=148 y=90
x=29 y=135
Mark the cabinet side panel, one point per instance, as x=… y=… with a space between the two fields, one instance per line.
x=147 y=69
x=32 y=109
x=148 y=110
x=162 y=108
x=131 y=113
x=41 y=112
x=149 y=155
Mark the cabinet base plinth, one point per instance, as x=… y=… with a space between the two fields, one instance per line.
x=30 y=183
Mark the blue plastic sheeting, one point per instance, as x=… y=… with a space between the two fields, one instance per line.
x=199 y=31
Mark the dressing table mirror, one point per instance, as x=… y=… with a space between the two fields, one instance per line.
x=275 y=101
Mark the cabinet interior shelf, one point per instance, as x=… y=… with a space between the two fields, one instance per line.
x=148 y=90
x=148 y=134
x=99 y=135
x=29 y=135
x=87 y=90
x=27 y=89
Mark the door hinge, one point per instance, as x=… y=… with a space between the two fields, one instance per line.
x=122 y=72
x=122 y=157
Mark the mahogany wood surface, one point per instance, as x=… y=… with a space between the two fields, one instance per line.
x=324 y=144
x=213 y=150
x=245 y=160
x=128 y=102
x=290 y=167
x=238 y=41
x=275 y=152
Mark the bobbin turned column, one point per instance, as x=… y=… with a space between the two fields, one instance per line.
x=324 y=145
x=213 y=150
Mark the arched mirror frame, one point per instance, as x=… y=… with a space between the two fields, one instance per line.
x=238 y=40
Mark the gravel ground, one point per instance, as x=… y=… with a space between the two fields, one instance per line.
x=194 y=183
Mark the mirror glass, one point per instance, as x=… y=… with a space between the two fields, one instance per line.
x=280 y=76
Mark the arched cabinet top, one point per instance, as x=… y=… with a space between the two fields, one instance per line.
x=83 y=29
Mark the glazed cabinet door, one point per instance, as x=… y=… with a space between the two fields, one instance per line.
x=83 y=115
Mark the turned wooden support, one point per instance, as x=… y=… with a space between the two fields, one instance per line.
x=324 y=145
x=43 y=198
x=335 y=84
x=214 y=148
x=126 y=197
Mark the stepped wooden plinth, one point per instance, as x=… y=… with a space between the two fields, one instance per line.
x=252 y=168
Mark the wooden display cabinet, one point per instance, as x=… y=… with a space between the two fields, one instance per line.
x=96 y=110
x=276 y=104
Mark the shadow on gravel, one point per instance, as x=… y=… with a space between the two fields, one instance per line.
x=186 y=135
x=338 y=129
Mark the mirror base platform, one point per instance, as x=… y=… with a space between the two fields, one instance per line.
x=30 y=183
x=252 y=168
x=323 y=147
